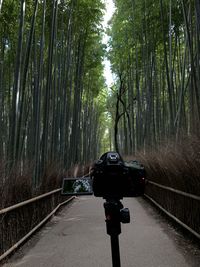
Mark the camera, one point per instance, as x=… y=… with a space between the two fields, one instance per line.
x=113 y=178
x=110 y=177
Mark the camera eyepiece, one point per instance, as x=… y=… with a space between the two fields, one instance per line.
x=113 y=157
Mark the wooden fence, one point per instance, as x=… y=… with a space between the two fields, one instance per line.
x=183 y=207
x=20 y=221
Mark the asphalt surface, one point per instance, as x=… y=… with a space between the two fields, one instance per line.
x=76 y=237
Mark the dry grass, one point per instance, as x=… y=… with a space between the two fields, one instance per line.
x=78 y=170
x=16 y=187
x=175 y=165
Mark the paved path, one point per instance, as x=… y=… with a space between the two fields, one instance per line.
x=76 y=237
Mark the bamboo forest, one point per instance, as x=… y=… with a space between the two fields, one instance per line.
x=56 y=109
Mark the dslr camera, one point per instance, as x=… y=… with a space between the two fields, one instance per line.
x=110 y=177
x=113 y=178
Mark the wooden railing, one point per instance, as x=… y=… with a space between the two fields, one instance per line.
x=182 y=207
x=20 y=221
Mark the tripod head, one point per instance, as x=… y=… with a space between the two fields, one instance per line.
x=115 y=215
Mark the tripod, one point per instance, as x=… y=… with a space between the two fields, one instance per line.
x=115 y=215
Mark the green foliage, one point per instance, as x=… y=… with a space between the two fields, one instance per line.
x=57 y=105
x=149 y=53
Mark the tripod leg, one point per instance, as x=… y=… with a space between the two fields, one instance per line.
x=115 y=250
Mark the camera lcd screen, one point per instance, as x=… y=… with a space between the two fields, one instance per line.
x=77 y=186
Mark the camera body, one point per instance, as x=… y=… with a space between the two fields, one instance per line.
x=114 y=178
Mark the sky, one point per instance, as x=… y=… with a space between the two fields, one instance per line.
x=110 y=8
